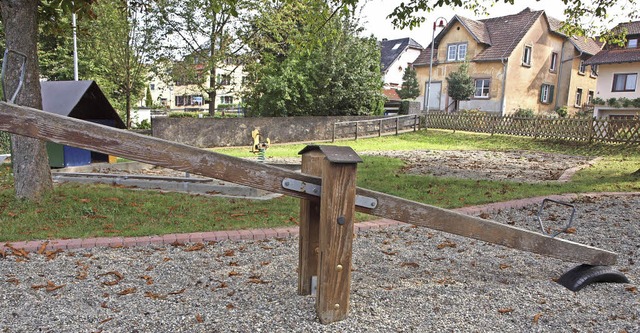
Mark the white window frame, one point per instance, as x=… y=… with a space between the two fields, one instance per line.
x=527 y=55
x=553 y=66
x=578 y=101
x=594 y=70
x=546 y=96
x=582 y=68
x=590 y=96
x=486 y=85
x=458 y=50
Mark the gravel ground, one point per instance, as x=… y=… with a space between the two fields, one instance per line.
x=405 y=279
x=521 y=166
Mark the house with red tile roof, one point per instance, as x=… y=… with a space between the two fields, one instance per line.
x=619 y=73
x=520 y=61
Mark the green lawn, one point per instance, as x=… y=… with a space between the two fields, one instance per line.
x=74 y=210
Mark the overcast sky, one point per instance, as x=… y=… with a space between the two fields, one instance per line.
x=374 y=13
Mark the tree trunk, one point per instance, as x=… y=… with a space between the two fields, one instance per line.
x=32 y=176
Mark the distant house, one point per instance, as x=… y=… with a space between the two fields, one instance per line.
x=395 y=56
x=619 y=69
x=519 y=61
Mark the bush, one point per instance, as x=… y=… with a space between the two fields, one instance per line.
x=144 y=124
x=636 y=102
x=613 y=102
x=562 y=111
x=5 y=143
x=188 y=115
x=598 y=101
x=404 y=107
x=524 y=113
x=624 y=102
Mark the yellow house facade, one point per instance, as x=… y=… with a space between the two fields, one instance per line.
x=518 y=61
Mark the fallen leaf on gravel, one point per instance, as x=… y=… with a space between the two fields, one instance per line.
x=446 y=243
x=485 y=216
x=233 y=263
x=230 y=306
x=147 y=278
x=234 y=273
x=3 y=253
x=196 y=247
x=229 y=253
x=504 y=266
x=505 y=310
x=50 y=286
x=570 y=231
x=178 y=292
x=199 y=318
x=390 y=253
x=118 y=278
x=154 y=295
x=13 y=280
x=257 y=279
x=410 y=264
x=106 y=320
x=18 y=252
x=52 y=254
x=536 y=318
x=632 y=289
x=265 y=263
x=127 y=291
x=43 y=247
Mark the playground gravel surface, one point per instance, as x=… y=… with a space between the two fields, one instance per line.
x=405 y=279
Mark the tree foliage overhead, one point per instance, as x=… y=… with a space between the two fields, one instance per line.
x=311 y=61
x=410 y=88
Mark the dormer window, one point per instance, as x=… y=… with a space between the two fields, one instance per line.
x=632 y=43
x=395 y=47
x=457 y=52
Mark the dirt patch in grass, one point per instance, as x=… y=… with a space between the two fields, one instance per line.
x=519 y=166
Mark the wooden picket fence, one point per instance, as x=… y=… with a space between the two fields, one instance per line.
x=573 y=129
x=375 y=127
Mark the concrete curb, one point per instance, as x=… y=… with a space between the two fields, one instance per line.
x=258 y=234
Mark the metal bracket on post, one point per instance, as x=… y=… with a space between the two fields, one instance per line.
x=315 y=190
x=5 y=60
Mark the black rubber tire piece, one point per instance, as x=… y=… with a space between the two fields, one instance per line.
x=584 y=275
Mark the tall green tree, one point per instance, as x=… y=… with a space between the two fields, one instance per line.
x=202 y=34
x=460 y=85
x=311 y=65
x=409 y=88
x=124 y=44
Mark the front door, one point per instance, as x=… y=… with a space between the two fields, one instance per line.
x=435 y=94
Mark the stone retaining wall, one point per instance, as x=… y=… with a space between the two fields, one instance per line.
x=215 y=132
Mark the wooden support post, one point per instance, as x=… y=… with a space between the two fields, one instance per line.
x=337 y=211
x=334 y=233
x=309 y=226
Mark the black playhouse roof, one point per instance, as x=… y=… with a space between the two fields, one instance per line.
x=79 y=99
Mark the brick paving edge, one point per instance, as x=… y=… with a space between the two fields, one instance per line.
x=257 y=234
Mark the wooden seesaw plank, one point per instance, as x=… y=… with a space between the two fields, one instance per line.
x=77 y=133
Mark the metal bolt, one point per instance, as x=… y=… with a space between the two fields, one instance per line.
x=341 y=220
x=373 y=204
x=336 y=306
x=286 y=183
x=339 y=268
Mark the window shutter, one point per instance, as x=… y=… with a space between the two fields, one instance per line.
x=541 y=98
x=551 y=93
